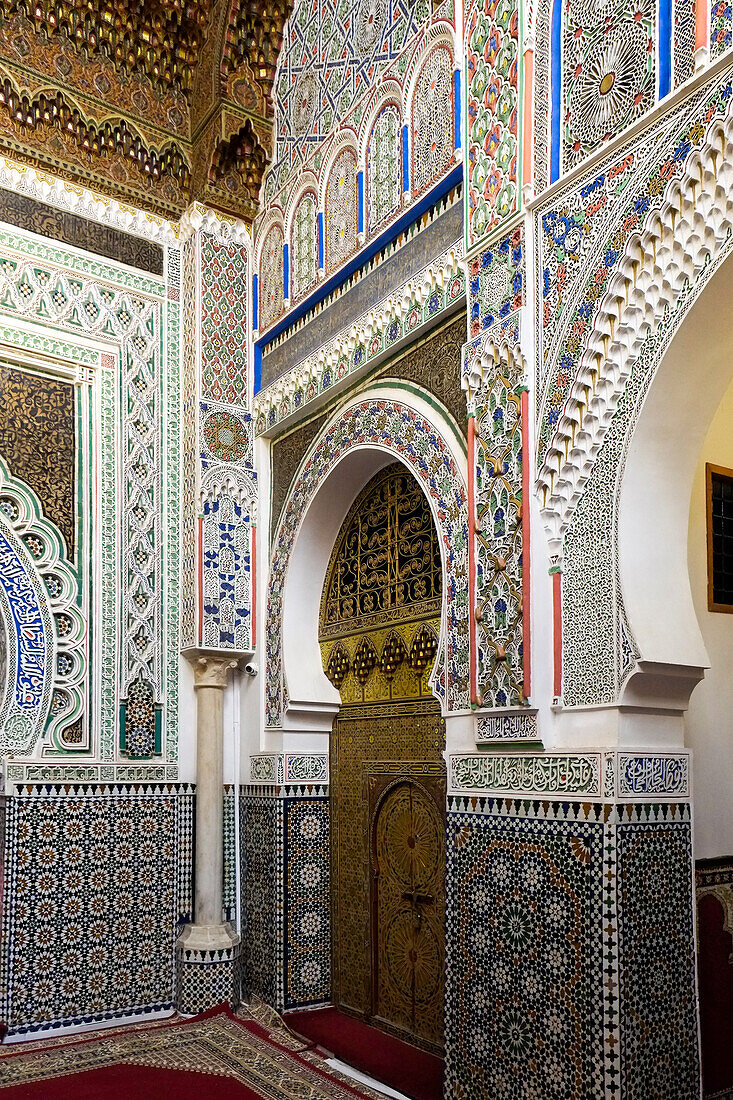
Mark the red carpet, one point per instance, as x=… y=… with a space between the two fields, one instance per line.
x=399 y=1065
x=215 y=1056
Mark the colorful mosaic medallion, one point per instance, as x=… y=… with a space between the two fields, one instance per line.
x=226 y=436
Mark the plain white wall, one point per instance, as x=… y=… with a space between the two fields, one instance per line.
x=709 y=719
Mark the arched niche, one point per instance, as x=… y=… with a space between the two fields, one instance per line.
x=381 y=426
x=654 y=500
x=308 y=687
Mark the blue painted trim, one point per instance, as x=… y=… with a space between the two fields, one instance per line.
x=556 y=85
x=665 y=47
x=412 y=214
x=255 y=300
x=405 y=159
x=360 y=209
x=457 y=107
x=286 y=270
x=321 y=242
x=258 y=368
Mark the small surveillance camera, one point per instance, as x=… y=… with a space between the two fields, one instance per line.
x=251 y=669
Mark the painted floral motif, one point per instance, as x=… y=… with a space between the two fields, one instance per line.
x=226 y=436
x=223 y=320
x=721 y=24
x=272 y=278
x=492 y=49
x=305 y=246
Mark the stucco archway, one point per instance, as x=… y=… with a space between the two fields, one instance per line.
x=660 y=464
x=386 y=423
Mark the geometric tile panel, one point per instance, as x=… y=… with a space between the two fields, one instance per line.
x=524 y=958
x=261 y=883
x=208 y=978
x=229 y=895
x=570 y=950
x=659 y=1053
x=97 y=880
x=307 y=899
x=286 y=899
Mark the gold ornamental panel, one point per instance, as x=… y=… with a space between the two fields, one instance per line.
x=385 y=566
x=379 y=630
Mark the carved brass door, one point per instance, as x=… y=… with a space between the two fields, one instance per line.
x=408 y=911
x=379 y=630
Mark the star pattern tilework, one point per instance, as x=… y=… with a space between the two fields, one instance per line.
x=524 y=957
x=307 y=902
x=95 y=878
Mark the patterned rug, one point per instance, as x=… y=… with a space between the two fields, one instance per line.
x=215 y=1056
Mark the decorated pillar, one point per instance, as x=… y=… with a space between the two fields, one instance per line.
x=219 y=492
x=208 y=950
x=570 y=945
x=571 y=952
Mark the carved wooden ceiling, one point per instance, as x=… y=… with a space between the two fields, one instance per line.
x=157 y=102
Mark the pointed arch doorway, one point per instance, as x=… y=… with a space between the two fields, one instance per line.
x=378 y=632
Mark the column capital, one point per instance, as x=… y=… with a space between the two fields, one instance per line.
x=210 y=670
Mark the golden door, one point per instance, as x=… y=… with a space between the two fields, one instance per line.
x=408 y=911
x=379 y=629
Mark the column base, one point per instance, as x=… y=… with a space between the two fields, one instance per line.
x=208 y=968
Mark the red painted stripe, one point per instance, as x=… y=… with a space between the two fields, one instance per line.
x=557 y=632
x=254 y=586
x=702 y=17
x=527 y=119
x=526 y=582
x=472 y=559
x=201 y=577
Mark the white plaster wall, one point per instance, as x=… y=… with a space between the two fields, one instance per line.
x=710 y=716
x=186 y=724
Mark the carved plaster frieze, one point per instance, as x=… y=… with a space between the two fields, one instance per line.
x=418 y=302
x=75 y=199
x=200 y=218
x=497 y=351
x=677 y=242
x=289 y=767
x=624 y=776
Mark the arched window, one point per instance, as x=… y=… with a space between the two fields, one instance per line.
x=433 y=140
x=272 y=280
x=305 y=246
x=384 y=167
x=341 y=210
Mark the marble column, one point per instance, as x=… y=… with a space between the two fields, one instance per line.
x=208 y=951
